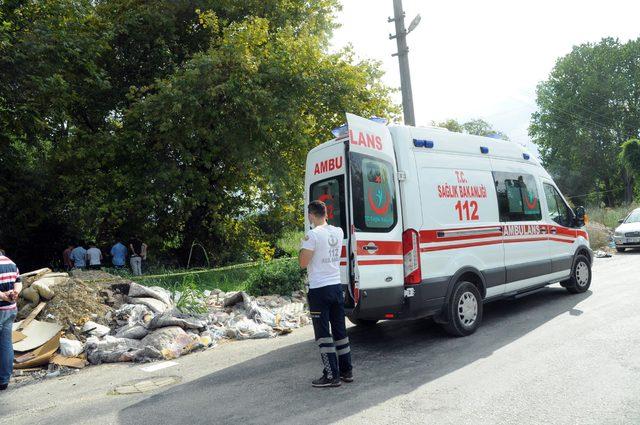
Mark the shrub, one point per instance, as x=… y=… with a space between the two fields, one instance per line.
x=276 y=277
x=289 y=242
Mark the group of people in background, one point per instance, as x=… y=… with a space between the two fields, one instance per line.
x=78 y=257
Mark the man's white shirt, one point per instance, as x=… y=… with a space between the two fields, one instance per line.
x=326 y=243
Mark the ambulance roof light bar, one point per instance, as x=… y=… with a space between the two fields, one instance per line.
x=344 y=128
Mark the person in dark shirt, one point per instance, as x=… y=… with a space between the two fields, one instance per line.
x=66 y=258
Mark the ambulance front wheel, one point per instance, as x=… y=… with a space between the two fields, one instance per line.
x=580 y=279
x=464 y=310
x=362 y=322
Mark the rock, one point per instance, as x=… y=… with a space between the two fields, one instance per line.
x=233 y=298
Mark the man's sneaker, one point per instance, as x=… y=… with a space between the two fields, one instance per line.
x=347 y=376
x=325 y=382
x=3 y=387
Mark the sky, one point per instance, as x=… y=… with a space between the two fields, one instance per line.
x=481 y=59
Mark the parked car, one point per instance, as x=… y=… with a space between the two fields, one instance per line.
x=627 y=235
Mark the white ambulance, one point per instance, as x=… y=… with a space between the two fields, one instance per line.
x=437 y=223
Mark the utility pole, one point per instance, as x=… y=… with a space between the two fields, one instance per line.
x=403 y=59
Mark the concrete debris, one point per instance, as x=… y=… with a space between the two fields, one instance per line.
x=107 y=319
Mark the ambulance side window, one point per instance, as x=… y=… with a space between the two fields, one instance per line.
x=558 y=210
x=331 y=192
x=517 y=197
x=373 y=191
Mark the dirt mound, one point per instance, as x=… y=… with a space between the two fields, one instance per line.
x=89 y=295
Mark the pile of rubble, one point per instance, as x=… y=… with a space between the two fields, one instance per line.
x=98 y=318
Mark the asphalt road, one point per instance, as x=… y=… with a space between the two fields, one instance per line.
x=551 y=357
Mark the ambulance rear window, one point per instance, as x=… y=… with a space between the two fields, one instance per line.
x=374 y=198
x=331 y=192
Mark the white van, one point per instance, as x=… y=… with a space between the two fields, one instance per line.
x=436 y=223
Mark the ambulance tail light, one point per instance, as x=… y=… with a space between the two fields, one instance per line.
x=411 y=255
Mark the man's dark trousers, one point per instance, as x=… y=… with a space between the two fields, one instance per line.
x=326 y=305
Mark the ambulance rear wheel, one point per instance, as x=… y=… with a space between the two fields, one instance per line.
x=464 y=310
x=580 y=279
x=363 y=322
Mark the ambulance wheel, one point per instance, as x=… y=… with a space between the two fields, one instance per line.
x=363 y=322
x=580 y=279
x=464 y=310
x=620 y=249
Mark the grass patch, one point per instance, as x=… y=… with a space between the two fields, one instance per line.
x=230 y=278
x=609 y=216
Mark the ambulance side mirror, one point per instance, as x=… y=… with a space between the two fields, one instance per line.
x=621 y=221
x=581 y=216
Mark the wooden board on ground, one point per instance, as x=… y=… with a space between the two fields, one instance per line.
x=74 y=362
x=17 y=334
x=37 y=334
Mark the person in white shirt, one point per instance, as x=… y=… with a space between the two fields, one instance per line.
x=320 y=255
x=94 y=255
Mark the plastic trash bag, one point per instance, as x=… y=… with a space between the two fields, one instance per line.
x=70 y=347
x=135 y=331
x=95 y=329
x=153 y=304
x=113 y=350
x=245 y=328
x=133 y=314
x=167 y=319
x=160 y=294
x=171 y=342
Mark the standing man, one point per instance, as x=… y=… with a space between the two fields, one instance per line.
x=79 y=256
x=320 y=255
x=135 y=248
x=118 y=255
x=66 y=258
x=10 y=287
x=95 y=257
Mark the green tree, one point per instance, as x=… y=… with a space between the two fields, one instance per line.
x=171 y=120
x=630 y=157
x=478 y=127
x=588 y=107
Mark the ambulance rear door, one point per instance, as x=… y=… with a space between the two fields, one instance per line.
x=375 y=219
x=325 y=180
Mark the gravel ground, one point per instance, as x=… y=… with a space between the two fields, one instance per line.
x=547 y=358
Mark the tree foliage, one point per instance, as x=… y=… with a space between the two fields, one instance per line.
x=171 y=120
x=588 y=107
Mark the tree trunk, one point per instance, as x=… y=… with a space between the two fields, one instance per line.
x=628 y=187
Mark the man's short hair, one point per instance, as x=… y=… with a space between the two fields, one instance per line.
x=318 y=209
